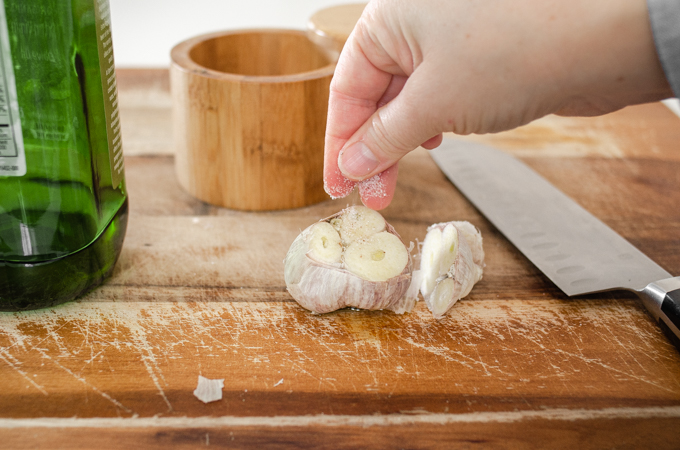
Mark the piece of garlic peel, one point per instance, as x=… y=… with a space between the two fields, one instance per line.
x=374 y=271
x=451 y=262
x=474 y=239
x=209 y=390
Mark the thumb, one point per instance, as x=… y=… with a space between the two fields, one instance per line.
x=391 y=132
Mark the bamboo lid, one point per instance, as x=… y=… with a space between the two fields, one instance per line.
x=330 y=27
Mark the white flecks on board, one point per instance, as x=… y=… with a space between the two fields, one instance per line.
x=255 y=345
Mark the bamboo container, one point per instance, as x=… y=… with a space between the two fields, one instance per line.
x=330 y=27
x=249 y=116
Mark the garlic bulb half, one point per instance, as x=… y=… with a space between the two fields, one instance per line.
x=352 y=259
x=452 y=261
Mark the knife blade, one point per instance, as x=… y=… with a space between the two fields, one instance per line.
x=573 y=248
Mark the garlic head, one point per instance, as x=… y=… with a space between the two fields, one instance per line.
x=352 y=259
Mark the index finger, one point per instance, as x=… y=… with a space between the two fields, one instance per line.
x=356 y=91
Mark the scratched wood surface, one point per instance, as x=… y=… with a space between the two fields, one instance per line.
x=199 y=290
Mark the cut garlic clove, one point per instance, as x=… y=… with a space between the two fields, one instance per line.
x=377 y=258
x=449 y=249
x=449 y=266
x=324 y=243
x=358 y=222
x=430 y=260
x=443 y=297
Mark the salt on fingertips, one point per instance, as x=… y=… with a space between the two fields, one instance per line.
x=373 y=187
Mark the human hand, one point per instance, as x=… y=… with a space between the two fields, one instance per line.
x=413 y=70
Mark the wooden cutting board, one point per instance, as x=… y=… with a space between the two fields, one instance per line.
x=199 y=290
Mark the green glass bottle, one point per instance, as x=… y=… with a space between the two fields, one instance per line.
x=63 y=202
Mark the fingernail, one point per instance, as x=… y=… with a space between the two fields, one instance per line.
x=357 y=161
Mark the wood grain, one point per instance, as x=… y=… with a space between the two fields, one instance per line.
x=199 y=290
x=141 y=356
x=249 y=118
x=549 y=430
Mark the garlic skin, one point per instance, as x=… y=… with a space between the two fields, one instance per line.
x=374 y=270
x=452 y=261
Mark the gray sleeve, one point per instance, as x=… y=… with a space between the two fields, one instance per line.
x=664 y=16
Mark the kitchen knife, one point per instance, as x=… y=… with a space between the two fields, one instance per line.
x=573 y=248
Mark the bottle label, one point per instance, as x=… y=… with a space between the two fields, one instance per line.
x=12 y=156
x=108 y=71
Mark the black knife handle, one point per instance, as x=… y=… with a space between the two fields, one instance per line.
x=662 y=300
x=670 y=307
